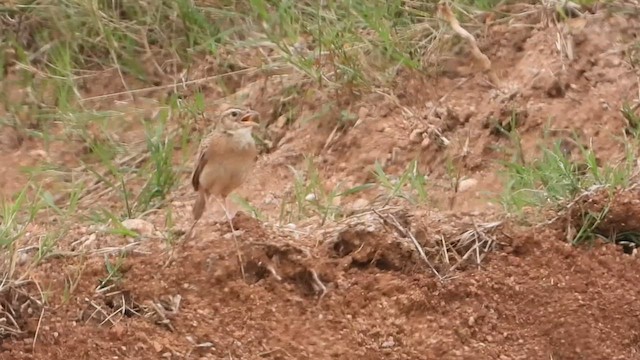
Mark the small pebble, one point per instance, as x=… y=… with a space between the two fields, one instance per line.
x=360 y=204
x=416 y=136
x=205 y=345
x=229 y=235
x=388 y=343
x=142 y=227
x=467 y=184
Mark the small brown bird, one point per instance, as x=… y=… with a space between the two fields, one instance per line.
x=225 y=158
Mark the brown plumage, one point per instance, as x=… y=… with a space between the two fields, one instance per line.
x=225 y=157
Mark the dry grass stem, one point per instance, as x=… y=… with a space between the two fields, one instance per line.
x=407 y=234
x=473 y=240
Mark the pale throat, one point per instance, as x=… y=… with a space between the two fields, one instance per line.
x=243 y=137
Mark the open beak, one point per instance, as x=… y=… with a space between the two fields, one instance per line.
x=250 y=118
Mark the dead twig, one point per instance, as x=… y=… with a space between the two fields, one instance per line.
x=98 y=309
x=35 y=336
x=396 y=224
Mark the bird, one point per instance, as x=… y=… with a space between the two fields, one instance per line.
x=225 y=158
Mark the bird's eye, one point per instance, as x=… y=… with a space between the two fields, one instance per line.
x=234 y=113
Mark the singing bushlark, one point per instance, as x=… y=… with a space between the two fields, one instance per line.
x=225 y=157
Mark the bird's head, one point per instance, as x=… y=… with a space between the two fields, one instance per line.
x=233 y=118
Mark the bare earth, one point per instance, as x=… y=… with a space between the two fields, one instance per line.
x=359 y=289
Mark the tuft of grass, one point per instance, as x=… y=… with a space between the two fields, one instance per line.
x=16 y=216
x=411 y=185
x=112 y=33
x=310 y=197
x=632 y=119
x=588 y=227
x=163 y=176
x=65 y=217
x=554 y=179
x=354 y=43
x=114 y=272
x=72 y=280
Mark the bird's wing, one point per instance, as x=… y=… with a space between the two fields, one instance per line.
x=201 y=160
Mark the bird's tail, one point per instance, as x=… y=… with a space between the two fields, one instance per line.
x=199 y=205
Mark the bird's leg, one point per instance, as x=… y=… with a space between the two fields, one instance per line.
x=197 y=210
x=231 y=210
x=224 y=207
x=233 y=234
x=188 y=236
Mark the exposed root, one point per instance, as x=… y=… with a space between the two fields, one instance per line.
x=272 y=270
x=318 y=285
x=161 y=311
x=445 y=12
